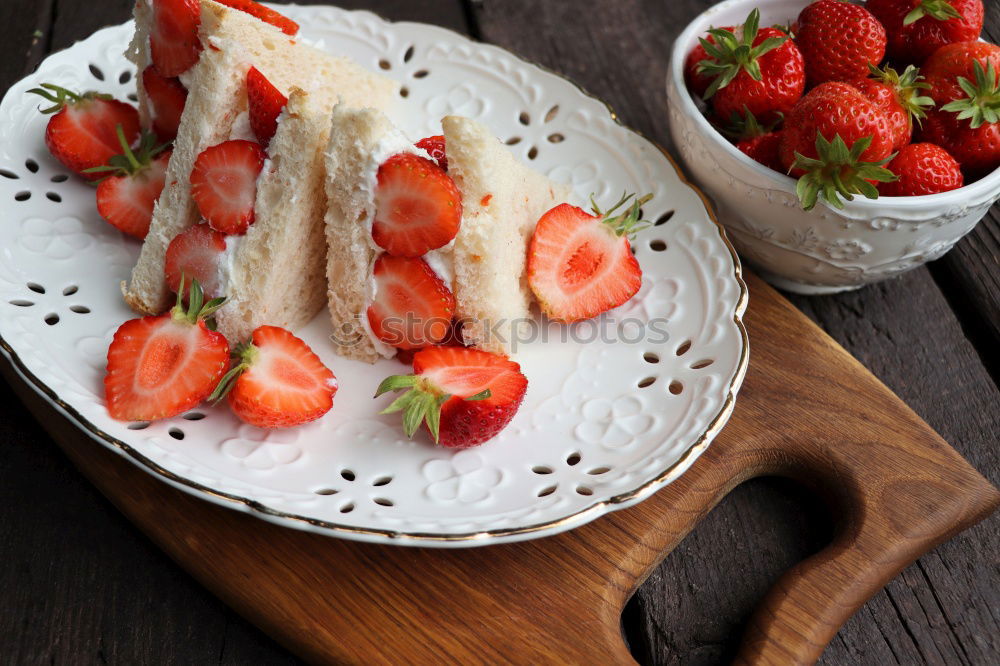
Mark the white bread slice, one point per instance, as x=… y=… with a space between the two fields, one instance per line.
x=502 y=200
x=234 y=41
x=488 y=253
x=355 y=137
x=276 y=273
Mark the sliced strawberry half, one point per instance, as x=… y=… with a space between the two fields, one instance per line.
x=412 y=306
x=132 y=184
x=580 y=265
x=464 y=397
x=173 y=40
x=161 y=366
x=265 y=14
x=224 y=184
x=434 y=145
x=195 y=254
x=265 y=103
x=279 y=382
x=418 y=208
x=82 y=132
x=167 y=98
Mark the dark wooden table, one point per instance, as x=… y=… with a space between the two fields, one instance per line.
x=80 y=585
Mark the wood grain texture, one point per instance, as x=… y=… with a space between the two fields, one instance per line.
x=970 y=273
x=897 y=489
x=689 y=612
x=692 y=608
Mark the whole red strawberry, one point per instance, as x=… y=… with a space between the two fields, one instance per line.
x=82 y=131
x=953 y=61
x=759 y=143
x=698 y=83
x=922 y=168
x=900 y=96
x=839 y=41
x=759 y=70
x=463 y=396
x=969 y=127
x=917 y=28
x=836 y=141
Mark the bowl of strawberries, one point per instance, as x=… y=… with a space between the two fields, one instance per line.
x=842 y=143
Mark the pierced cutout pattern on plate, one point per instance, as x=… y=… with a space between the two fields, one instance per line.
x=600 y=421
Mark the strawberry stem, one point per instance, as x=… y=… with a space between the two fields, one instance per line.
x=838 y=173
x=61 y=97
x=197 y=307
x=730 y=55
x=129 y=162
x=246 y=354
x=626 y=223
x=936 y=9
x=983 y=102
x=421 y=403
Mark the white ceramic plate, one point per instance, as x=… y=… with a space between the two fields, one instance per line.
x=604 y=424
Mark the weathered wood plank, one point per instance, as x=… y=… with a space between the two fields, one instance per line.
x=745 y=523
x=970 y=273
x=26 y=35
x=694 y=605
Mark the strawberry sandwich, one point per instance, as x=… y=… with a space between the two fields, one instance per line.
x=248 y=108
x=427 y=242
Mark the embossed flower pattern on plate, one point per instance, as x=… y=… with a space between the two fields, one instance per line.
x=465 y=478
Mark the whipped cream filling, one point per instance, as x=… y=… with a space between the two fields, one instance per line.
x=241 y=127
x=440 y=260
x=227 y=262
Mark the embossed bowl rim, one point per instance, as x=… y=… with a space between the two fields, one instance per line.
x=860 y=207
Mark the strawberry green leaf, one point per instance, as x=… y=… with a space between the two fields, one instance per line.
x=983 y=102
x=731 y=55
x=838 y=173
x=936 y=9
x=623 y=224
x=908 y=87
x=61 y=97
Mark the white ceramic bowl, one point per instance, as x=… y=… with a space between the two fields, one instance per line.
x=824 y=250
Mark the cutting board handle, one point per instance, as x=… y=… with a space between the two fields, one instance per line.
x=893 y=500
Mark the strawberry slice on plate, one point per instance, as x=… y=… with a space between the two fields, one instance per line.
x=133 y=183
x=224 y=184
x=413 y=307
x=580 y=265
x=434 y=145
x=82 y=133
x=173 y=40
x=167 y=98
x=265 y=14
x=279 y=381
x=265 y=103
x=418 y=208
x=161 y=366
x=195 y=253
x=463 y=396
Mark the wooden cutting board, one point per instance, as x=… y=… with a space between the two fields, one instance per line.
x=807 y=410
